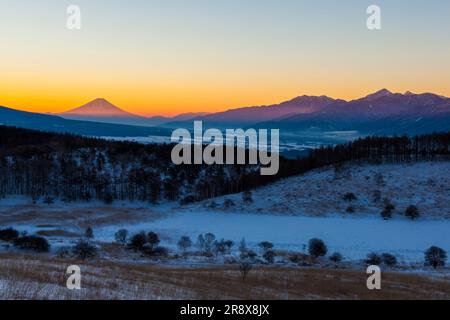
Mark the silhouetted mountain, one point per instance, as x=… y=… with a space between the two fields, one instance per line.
x=382 y=112
x=299 y=105
x=53 y=123
x=101 y=110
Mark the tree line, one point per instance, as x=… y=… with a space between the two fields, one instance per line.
x=46 y=165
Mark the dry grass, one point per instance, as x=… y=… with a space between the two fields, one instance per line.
x=27 y=277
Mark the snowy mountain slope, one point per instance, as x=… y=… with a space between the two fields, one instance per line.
x=320 y=192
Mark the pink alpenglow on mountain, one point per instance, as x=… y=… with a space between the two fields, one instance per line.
x=99 y=108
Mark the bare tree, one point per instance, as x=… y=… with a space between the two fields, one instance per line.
x=245 y=267
x=184 y=243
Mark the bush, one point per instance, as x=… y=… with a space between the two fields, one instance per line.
x=35 y=243
x=9 y=234
x=336 y=257
x=412 y=212
x=373 y=259
x=388 y=209
x=121 y=236
x=229 y=245
x=247 y=197
x=138 y=241
x=386 y=214
x=350 y=209
x=228 y=203
x=156 y=252
x=269 y=256
x=350 y=197
x=317 y=248
x=220 y=247
x=152 y=239
x=265 y=245
x=84 y=250
x=388 y=205
x=435 y=257
x=389 y=259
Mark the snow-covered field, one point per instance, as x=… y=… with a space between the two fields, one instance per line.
x=353 y=237
x=287 y=213
x=320 y=192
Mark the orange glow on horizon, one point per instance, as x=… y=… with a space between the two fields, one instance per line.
x=161 y=105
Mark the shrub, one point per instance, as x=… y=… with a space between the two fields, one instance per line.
x=388 y=205
x=9 y=234
x=220 y=247
x=247 y=197
x=350 y=197
x=373 y=259
x=389 y=259
x=212 y=205
x=336 y=257
x=317 y=248
x=386 y=214
x=184 y=243
x=152 y=239
x=156 y=252
x=84 y=249
x=435 y=257
x=265 y=245
x=35 y=243
x=350 y=209
x=138 y=241
x=228 y=203
x=121 y=236
x=269 y=256
x=412 y=212
x=229 y=245
x=388 y=209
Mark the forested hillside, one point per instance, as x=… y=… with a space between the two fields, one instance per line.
x=69 y=167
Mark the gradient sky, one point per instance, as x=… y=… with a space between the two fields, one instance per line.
x=172 y=56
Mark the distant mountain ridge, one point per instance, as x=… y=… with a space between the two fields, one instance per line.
x=101 y=110
x=382 y=112
x=53 y=123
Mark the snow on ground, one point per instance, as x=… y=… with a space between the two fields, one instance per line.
x=353 y=237
x=320 y=192
x=287 y=213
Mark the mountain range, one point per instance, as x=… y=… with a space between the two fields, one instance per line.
x=382 y=112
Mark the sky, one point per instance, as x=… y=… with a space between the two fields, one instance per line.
x=168 y=57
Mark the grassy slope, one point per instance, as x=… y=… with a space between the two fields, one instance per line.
x=28 y=277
